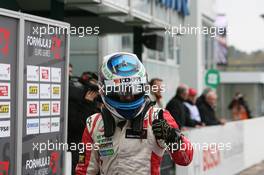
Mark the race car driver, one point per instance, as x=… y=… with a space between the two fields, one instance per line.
x=131 y=134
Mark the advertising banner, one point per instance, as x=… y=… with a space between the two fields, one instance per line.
x=33 y=94
x=8 y=66
x=44 y=94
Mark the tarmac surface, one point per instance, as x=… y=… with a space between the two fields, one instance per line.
x=257 y=169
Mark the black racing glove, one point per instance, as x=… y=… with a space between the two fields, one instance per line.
x=162 y=130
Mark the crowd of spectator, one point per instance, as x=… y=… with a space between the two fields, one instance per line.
x=190 y=111
x=193 y=111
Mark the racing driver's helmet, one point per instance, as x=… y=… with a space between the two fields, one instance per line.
x=122 y=83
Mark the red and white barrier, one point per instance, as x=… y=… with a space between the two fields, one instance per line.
x=226 y=149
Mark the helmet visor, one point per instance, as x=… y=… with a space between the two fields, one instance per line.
x=123 y=65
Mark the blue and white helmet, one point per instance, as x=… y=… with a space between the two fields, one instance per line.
x=122 y=81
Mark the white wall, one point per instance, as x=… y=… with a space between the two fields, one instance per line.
x=110 y=44
x=192 y=65
x=191 y=70
x=208 y=7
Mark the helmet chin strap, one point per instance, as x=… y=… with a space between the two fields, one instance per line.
x=136 y=123
x=109 y=122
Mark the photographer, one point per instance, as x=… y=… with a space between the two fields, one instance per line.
x=83 y=102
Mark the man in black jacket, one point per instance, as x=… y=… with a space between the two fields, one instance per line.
x=177 y=108
x=83 y=95
x=206 y=104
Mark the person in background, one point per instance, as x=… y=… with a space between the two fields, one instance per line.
x=155 y=91
x=239 y=108
x=70 y=70
x=90 y=80
x=192 y=109
x=83 y=95
x=206 y=105
x=176 y=106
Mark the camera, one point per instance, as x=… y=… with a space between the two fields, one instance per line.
x=79 y=86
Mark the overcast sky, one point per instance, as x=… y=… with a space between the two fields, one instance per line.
x=245 y=26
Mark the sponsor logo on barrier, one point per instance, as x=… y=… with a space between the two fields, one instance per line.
x=56 y=75
x=44 y=91
x=56 y=91
x=4 y=109
x=45 y=74
x=44 y=125
x=32 y=73
x=5 y=128
x=44 y=108
x=56 y=47
x=46 y=47
x=39 y=42
x=211 y=159
x=55 y=124
x=55 y=108
x=4 y=42
x=38 y=163
x=4 y=71
x=32 y=108
x=32 y=91
x=32 y=126
x=46 y=165
x=4 y=166
x=4 y=90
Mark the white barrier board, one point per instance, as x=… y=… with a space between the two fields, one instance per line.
x=226 y=149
